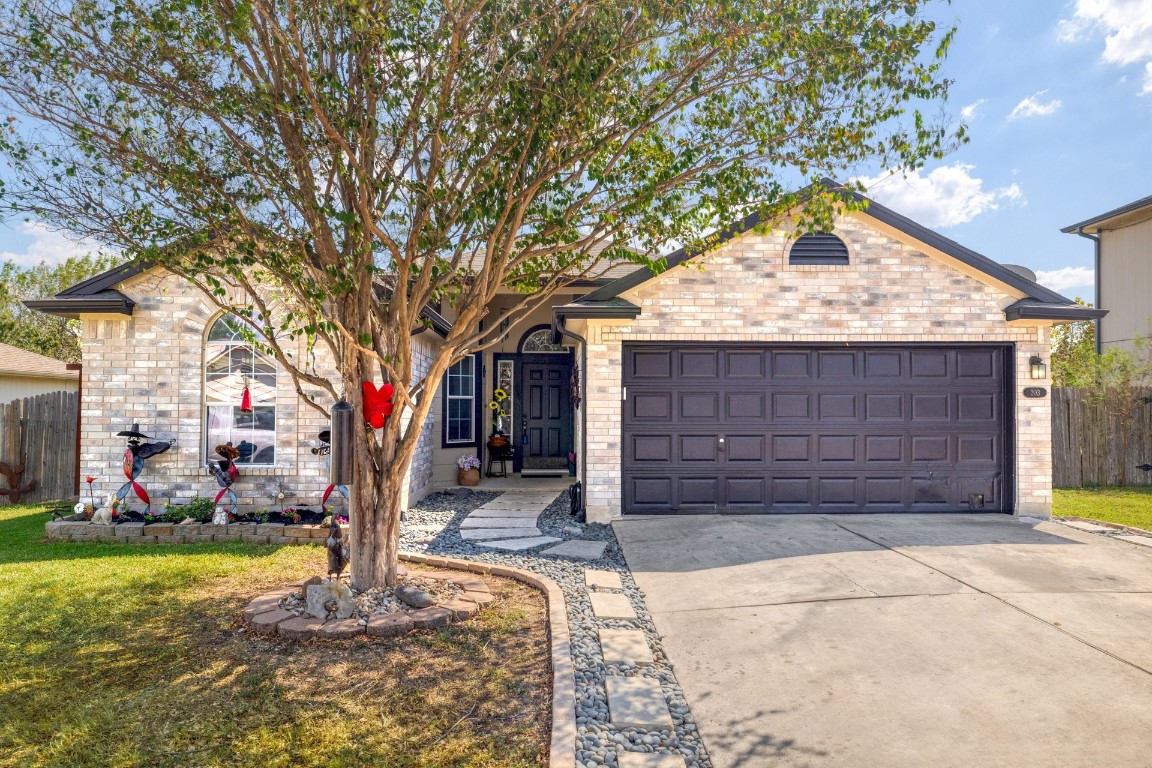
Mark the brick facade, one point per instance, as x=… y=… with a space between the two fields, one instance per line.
x=745 y=291
x=149 y=368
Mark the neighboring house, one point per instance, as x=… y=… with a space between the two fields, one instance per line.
x=879 y=367
x=1123 y=254
x=26 y=374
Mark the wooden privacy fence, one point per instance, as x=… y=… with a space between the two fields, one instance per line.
x=1092 y=447
x=43 y=429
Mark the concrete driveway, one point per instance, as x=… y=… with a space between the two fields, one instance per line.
x=903 y=640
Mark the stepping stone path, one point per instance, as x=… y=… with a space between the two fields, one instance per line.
x=634 y=701
x=508 y=522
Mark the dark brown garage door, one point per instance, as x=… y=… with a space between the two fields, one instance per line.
x=790 y=429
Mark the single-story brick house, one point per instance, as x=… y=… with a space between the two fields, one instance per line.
x=878 y=367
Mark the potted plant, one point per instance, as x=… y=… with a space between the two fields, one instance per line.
x=468 y=470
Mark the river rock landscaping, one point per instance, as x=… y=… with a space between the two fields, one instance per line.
x=434 y=527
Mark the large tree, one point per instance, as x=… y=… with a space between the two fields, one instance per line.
x=56 y=337
x=362 y=159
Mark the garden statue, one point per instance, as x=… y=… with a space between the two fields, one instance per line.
x=12 y=474
x=104 y=515
x=337 y=550
x=226 y=473
x=134 y=458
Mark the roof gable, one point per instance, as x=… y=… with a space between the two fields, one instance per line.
x=1037 y=295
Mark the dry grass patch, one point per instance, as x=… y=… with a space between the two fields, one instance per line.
x=129 y=655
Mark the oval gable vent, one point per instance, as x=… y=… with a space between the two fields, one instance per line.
x=818 y=249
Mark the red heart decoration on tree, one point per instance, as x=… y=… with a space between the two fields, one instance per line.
x=377 y=403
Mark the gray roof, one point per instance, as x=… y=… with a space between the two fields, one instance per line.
x=21 y=362
x=1095 y=223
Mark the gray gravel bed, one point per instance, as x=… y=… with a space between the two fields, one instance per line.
x=598 y=742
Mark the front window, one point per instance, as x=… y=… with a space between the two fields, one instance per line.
x=233 y=364
x=460 y=403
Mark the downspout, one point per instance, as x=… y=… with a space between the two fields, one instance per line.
x=558 y=325
x=1096 y=287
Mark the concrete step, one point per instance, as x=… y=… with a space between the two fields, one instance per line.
x=470 y=534
x=637 y=702
x=498 y=522
x=648 y=760
x=625 y=646
x=516 y=545
x=530 y=513
x=609 y=605
x=603 y=579
x=580 y=549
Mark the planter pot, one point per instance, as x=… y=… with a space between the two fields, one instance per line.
x=468 y=477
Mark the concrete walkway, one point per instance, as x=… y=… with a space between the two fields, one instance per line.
x=903 y=640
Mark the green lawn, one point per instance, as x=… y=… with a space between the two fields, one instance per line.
x=1126 y=506
x=123 y=655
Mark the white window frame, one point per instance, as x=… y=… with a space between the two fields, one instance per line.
x=470 y=397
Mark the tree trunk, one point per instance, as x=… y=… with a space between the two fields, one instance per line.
x=374 y=517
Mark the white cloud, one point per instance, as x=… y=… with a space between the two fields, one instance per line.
x=969 y=112
x=46 y=246
x=1126 y=26
x=945 y=197
x=1062 y=279
x=1033 y=107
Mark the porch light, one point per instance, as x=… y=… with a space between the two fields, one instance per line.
x=1039 y=369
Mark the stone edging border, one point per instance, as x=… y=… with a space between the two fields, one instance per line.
x=562 y=753
x=1118 y=527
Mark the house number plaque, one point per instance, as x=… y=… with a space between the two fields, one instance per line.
x=1035 y=391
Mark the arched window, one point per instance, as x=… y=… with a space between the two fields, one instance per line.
x=540 y=340
x=232 y=364
x=819 y=248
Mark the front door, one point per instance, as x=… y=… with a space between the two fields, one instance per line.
x=545 y=429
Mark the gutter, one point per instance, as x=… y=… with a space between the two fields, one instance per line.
x=558 y=330
x=1096 y=265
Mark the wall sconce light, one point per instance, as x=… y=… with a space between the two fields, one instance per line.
x=1039 y=369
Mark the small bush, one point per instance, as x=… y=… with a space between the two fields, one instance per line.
x=199 y=509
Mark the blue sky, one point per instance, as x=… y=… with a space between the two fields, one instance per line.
x=1055 y=96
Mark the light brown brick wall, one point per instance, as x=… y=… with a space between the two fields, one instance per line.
x=148 y=368
x=746 y=292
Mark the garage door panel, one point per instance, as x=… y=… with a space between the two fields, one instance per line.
x=699 y=491
x=791 y=406
x=836 y=448
x=743 y=407
x=932 y=407
x=747 y=493
x=650 y=449
x=746 y=449
x=977 y=364
x=648 y=407
x=791 y=365
x=791 y=447
x=836 y=406
x=749 y=429
x=837 y=364
x=698 y=406
x=698 y=449
x=745 y=365
x=977 y=407
x=837 y=492
x=795 y=491
x=929 y=364
x=698 y=365
x=930 y=448
x=884 y=406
